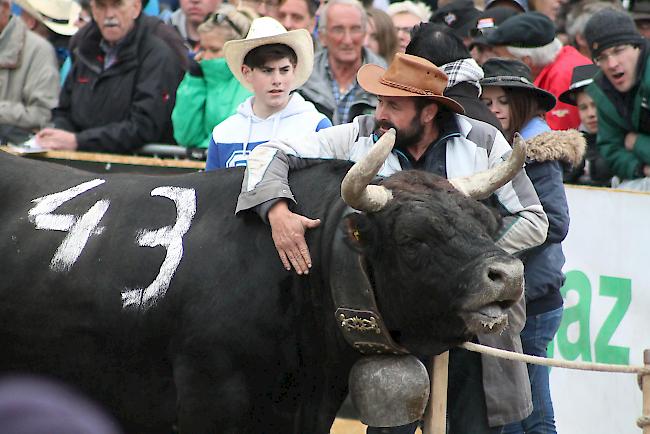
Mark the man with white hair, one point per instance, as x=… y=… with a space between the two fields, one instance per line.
x=332 y=86
x=530 y=37
x=121 y=89
x=29 y=78
x=405 y=16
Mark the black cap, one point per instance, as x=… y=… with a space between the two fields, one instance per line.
x=527 y=30
x=460 y=15
x=610 y=27
x=512 y=73
x=582 y=77
x=488 y=22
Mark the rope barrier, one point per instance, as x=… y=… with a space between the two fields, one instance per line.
x=583 y=366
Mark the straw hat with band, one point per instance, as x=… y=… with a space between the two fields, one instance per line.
x=515 y=74
x=582 y=77
x=266 y=31
x=407 y=75
x=57 y=15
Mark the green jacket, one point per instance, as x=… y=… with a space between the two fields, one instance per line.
x=612 y=126
x=202 y=102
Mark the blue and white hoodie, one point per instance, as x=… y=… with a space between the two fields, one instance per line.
x=234 y=138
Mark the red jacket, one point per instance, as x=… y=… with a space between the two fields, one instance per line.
x=556 y=78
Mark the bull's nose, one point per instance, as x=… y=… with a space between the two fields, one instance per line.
x=505 y=276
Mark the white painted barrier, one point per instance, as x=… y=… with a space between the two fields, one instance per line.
x=607 y=310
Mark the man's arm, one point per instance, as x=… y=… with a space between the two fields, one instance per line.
x=641 y=147
x=40 y=92
x=61 y=113
x=526 y=224
x=611 y=143
x=267 y=171
x=265 y=187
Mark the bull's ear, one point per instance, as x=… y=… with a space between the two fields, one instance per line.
x=353 y=224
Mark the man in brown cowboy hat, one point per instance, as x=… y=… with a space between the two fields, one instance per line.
x=433 y=135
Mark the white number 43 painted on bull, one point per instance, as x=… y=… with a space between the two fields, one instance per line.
x=81 y=228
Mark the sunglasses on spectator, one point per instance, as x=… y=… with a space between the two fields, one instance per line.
x=218 y=18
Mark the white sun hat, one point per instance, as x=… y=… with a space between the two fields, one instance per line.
x=58 y=15
x=265 y=31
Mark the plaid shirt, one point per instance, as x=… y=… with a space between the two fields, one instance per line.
x=343 y=102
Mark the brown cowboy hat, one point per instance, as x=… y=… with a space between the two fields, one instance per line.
x=407 y=75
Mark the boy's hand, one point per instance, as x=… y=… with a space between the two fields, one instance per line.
x=288 y=230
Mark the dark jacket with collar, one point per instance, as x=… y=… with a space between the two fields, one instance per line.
x=318 y=89
x=547 y=154
x=125 y=106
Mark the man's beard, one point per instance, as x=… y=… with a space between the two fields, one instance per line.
x=404 y=137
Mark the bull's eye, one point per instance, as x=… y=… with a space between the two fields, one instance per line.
x=414 y=250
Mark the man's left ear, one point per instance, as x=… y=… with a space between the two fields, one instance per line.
x=429 y=113
x=138 y=8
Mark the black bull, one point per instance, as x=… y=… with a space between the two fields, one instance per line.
x=151 y=296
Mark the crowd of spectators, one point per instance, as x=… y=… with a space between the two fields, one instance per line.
x=225 y=76
x=145 y=72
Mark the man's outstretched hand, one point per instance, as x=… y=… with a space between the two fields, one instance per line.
x=288 y=230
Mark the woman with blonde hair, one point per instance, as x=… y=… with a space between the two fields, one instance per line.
x=209 y=93
x=381 y=37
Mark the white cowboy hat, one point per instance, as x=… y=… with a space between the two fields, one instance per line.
x=58 y=15
x=265 y=31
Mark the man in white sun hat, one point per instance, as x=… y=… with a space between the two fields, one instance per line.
x=271 y=63
x=55 y=20
x=43 y=16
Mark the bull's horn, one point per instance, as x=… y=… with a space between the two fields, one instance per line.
x=355 y=190
x=482 y=184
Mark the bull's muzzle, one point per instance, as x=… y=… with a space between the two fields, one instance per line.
x=499 y=285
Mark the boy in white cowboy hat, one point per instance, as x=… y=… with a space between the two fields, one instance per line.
x=271 y=63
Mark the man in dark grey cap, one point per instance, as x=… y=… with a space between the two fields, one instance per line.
x=530 y=37
x=621 y=95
